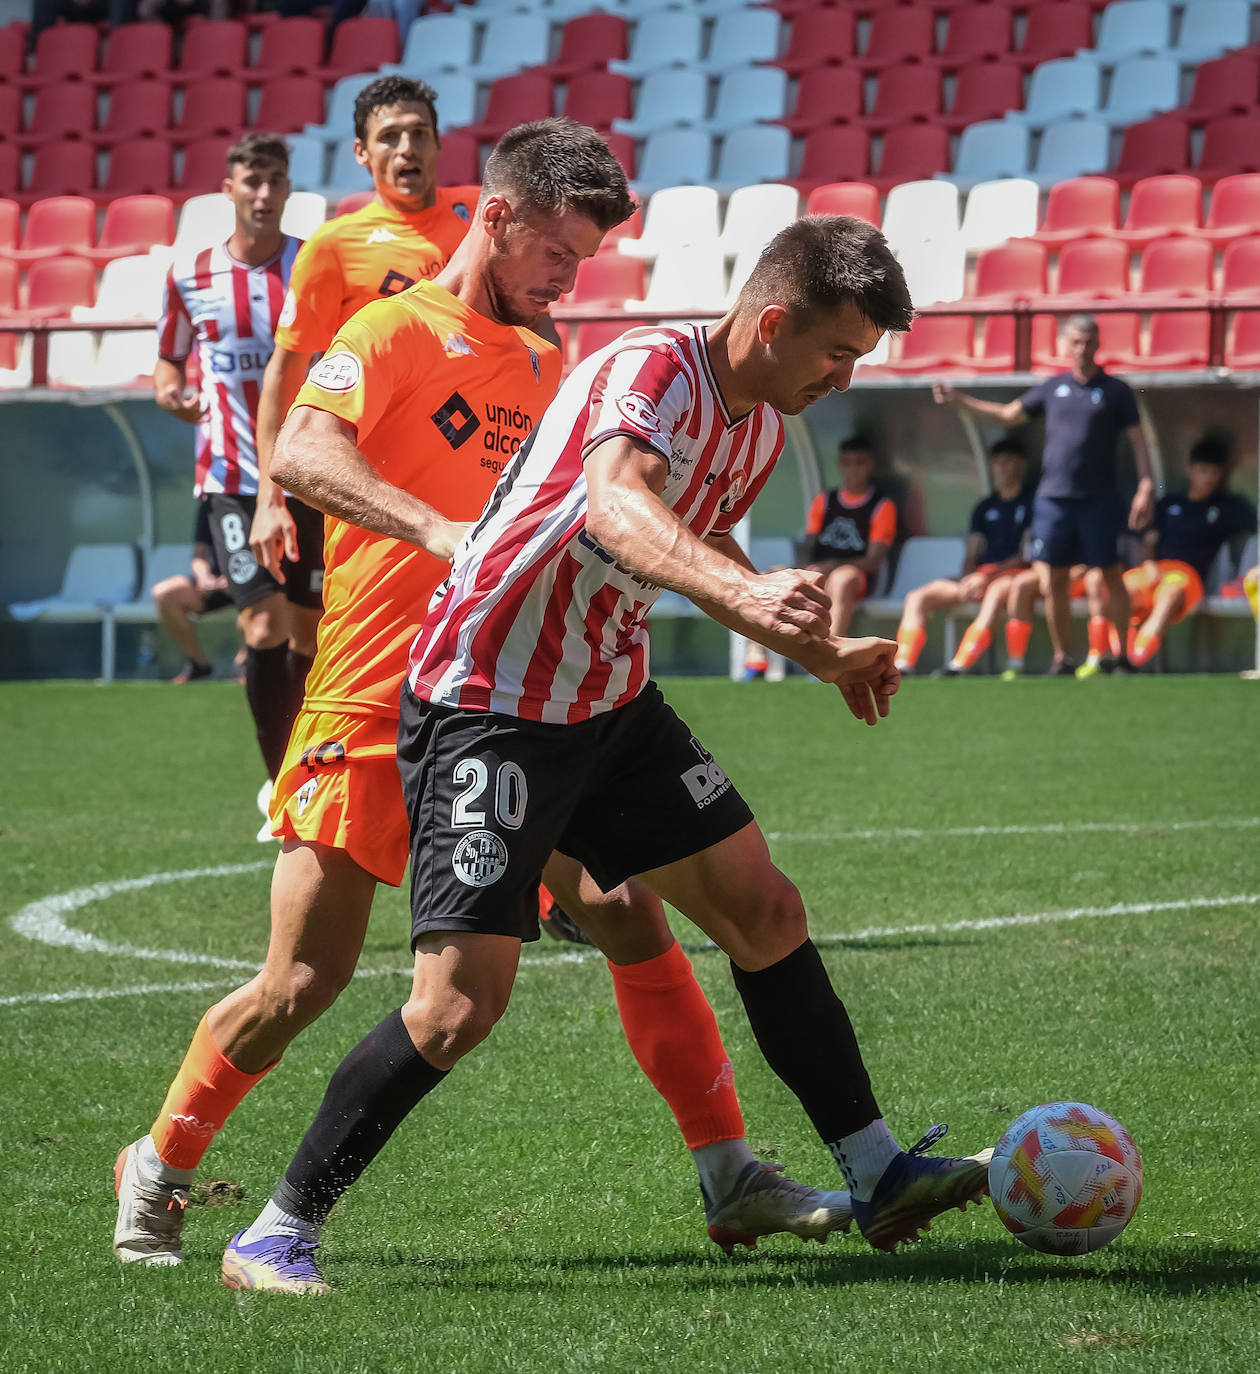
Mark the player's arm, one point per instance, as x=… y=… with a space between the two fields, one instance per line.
x=170 y=388
x=883 y=532
x=273 y=534
x=1144 y=498
x=1150 y=551
x=317 y=458
x=786 y=611
x=1008 y=413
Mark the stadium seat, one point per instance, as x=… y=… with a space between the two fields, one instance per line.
x=10 y=222
x=630 y=228
x=685 y=278
x=756 y=152
x=996 y=349
x=56 y=226
x=214 y=107
x=356 y=200
x=671 y=39
x=10 y=112
x=1240 y=269
x=12 y=51
x=54 y=286
x=8 y=306
x=363 y=43
x=1130 y=28
x=130 y=289
x=598 y=98
x=675 y=157
x=748 y=95
x=1231 y=144
x=345 y=173
x=991 y=149
x=997 y=211
x=1078 y=208
x=624 y=150
x=513 y=100
x=159 y=563
x=511 y=43
x=289 y=103
x=1055 y=30
x=62 y=112
x=1118 y=338
x=836 y=153
x=1141 y=86
x=897 y=34
x=133 y=224
x=912 y=152
x=10 y=168
x=978 y=33
x=63 y=52
x=1174 y=267
x=676 y=215
x=339 y=109
x=667 y=98
x=1233 y=212
x=459 y=161
x=1153 y=147
x=308 y=159
x=934 y=271
x=825 y=95
x=125 y=358
x=290 y=46
x=1010 y=272
x=216 y=47
x=904 y=94
x=1159 y=206
x=741 y=37
x=608 y=279
x=923 y=557
x=139 y=108
x=587 y=43
x=204 y=221
x=436 y=43
x=204 y=167
x=985 y=90
x=754 y=215
x=304 y=212
x=1092 y=269
x=1227 y=85
x=934 y=344
x=456 y=99
x=1063 y=89
x=137 y=167
x=1242 y=342
x=135 y=52
x=921 y=212
x=1069 y=149
x=1175 y=343
x=820 y=37
x=61 y=169
x=1210 y=28
x=854 y=198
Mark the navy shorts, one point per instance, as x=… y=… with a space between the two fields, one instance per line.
x=1077 y=529
x=491 y=796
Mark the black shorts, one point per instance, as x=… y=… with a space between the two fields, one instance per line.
x=210 y=601
x=490 y=797
x=1077 y=529
x=248 y=581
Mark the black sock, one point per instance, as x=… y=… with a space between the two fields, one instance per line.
x=806 y=1037
x=374 y=1088
x=268 y=692
x=299 y=666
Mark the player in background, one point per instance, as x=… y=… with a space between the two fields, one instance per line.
x=406 y=234
x=199 y=591
x=992 y=559
x=225 y=302
x=1188 y=531
x=467 y=379
x=1078 y=515
x=529 y=723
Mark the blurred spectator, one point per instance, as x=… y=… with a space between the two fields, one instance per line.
x=199 y=591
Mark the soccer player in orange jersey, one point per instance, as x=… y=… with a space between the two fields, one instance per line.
x=398 y=436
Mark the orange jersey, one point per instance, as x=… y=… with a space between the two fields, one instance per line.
x=370 y=253
x=440 y=398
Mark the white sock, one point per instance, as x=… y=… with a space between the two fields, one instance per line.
x=863 y=1157
x=151 y=1166
x=720 y=1164
x=272 y=1221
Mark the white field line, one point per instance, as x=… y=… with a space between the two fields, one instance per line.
x=1056 y=828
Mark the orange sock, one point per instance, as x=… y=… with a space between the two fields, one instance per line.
x=974 y=642
x=674 y=1036
x=1100 y=632
x=1143 y=649
x=910 y=645
x=1251 y=589
x=206 y=1091
x=1018 y=633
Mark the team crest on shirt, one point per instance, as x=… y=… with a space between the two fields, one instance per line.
x=456 y=346
x=288 y=312
x=639 y=410
x=382 y=235
x=727 y=503
x=480 y=859
x=305 y=793
x=336 y=372
x=533 y=362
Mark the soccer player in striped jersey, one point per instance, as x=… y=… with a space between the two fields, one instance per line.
x=529 y=724
x=419 y=403
x=225 y=301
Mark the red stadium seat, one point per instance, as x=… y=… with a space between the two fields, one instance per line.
x=135 y=52
x=458 y=161
x=597 y=98
x=55 y=226
x=621 y=146
x=985 y=90
x=10 y=112
x=1117 y=338
x=364 y=43
x=1224 y=86
x=825 y=95
x=61 y=169
x=934 y=344
x=214 y=47
x=835 y=153
x=137 y=109
x=1078 y=208
x=905 y=95
x=64 y=52
x=10 y=168
x=898 y=34
x=54 y=286
x=205 y=166
x=1055 y=30
x=978 y=33
x=592 y=337
x=137 y=167
x=1162 y=205
x=64 y=111
x=1015 y=270
x=12 y=51
x=854 y=198
x=588 y=42
x=133 y=224
x=1153 y=147
x=1231 y=144
x=820 y=37
x=289 y=46
x=1240 y=270
x=214 y=106
x=631 y=228
x=356 y=200
x=1177 y=343
x=513 y=100
x=1234 y=210
x=997 y=342
x=10 y=223
x=912 y=152
x=1176 y=267
x=287 y=104
x=9 y=343
x=1242 y=343
x=608 y=279
x=1093 y=269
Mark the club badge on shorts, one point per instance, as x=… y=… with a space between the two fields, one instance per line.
x=480 y=859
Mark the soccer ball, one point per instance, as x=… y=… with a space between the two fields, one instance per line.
x=1065 y=1178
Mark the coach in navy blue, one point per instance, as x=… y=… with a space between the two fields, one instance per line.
x=1078 y=514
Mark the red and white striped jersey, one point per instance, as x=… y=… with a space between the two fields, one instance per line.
x=535 y=619
x=230 y=312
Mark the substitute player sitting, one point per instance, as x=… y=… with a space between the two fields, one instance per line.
x=1188 y=531
x=992 y=559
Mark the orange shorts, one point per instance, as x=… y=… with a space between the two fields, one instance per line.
x=339 y=786
x=1142 y=589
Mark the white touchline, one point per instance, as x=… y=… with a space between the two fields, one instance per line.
x=1056 y=828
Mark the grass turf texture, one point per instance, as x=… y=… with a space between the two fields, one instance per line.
x=539 y=1211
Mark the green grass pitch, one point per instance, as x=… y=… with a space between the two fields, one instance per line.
x=539 y=1212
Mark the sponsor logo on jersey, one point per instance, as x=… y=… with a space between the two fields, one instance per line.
x=706 y=782
x=534 y=363
x=480 y=859
x=382 y=235
x=842 y=534
x=305 y=793
x=639 y=410
x=456 y=346
x=456 y=420
x=289 y=311
x=336 y=372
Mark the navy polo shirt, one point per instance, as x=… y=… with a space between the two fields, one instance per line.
x=1001 y=524
x=1084 y=422
x=1193 y=531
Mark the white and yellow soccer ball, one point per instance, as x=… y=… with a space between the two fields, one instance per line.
x=1066 y=1178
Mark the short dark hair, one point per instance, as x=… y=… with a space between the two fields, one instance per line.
x=1007 y=445
x=821 y=262
x=387 y=92
x=1210 y=450
x=857 y=443
x=252 y=150
x=556 y=165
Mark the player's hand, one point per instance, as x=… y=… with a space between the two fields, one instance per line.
x=205 y=581
x=273 y=537
x=790 y=602
x=943 y=394
x=1142 y=511
x=973 y=586
x=868 y=677
x=444 y=536
x=182 y=402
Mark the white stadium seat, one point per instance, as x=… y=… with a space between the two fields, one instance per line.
x=997 y=211
x=130 y=289
x=124 y=356
x=934 y=271
x=166 y=560
x=920 y=212
x=685 y=277
x=304 y=212
x=676 y=215
x=754 y=215
x=204 y=221
x=923 y=558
